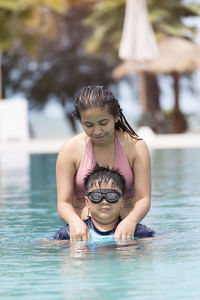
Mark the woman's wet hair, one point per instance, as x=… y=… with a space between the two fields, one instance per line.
x=100 y=97
x=102 y=175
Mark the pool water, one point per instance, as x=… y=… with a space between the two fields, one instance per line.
x=166 y=267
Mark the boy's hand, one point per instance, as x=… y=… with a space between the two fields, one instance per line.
x=78 y=231
x=125 y=229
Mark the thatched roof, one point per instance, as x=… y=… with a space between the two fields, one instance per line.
x=175 y=55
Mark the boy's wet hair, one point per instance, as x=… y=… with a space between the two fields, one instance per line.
x=100 y=97
x=100 y=175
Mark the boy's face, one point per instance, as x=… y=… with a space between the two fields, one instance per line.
x=104 y=212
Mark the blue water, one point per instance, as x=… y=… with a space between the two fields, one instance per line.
x=167 y=267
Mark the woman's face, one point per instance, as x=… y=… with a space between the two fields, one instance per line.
x=98 y=124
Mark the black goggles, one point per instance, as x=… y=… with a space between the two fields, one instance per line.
x=111 y=196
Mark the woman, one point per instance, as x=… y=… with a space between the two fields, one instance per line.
x=108 y=140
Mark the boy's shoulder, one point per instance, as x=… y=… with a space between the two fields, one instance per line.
x=143 y=231
x=62 y=234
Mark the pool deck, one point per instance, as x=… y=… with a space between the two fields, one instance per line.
x=155 y=141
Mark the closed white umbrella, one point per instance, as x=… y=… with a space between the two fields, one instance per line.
x=138 y=43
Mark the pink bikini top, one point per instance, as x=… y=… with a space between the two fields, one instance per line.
x=88 y=163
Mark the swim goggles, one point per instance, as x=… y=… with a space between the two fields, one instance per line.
x=111 y=196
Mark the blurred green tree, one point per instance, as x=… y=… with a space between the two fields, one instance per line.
x=167 y=18
x=62 y=65
x=108 y=15
x=24 y=22
x=78 y=48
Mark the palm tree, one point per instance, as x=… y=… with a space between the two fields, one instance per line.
x=62 y=66
x=23 y=22
x=108 y=15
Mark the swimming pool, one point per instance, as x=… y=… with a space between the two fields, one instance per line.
x=160 y=268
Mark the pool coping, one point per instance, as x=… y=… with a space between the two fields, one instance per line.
x=53 y=145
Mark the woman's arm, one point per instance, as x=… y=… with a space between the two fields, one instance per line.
x=65 y=172
x=142 y=185
x=142 y=181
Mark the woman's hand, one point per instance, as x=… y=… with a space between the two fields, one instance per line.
x=125 y=229
x=78 y=230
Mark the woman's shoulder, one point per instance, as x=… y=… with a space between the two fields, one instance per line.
x=74 y=145
x=127 y=140
x=133 y=146
x=73 y=141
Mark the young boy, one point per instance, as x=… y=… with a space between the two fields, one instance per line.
x=104 y=190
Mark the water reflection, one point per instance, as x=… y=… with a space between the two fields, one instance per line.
x=43 y=180
x=105 y=270
x=175 y=189
x=135 y=269
x=175 y=171
x=14 y=177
